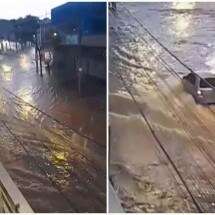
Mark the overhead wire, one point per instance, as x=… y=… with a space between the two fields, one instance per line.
x=152 y=131
x=168 y=51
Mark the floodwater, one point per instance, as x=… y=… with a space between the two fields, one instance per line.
x=161 y=141
x=52 y=140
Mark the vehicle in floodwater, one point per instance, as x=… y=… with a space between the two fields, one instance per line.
x=201 y=86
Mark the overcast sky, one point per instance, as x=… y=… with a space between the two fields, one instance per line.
x=19 y=8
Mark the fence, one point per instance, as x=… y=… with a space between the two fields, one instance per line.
x=11 y=199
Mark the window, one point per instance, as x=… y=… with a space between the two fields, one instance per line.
x=204 y=84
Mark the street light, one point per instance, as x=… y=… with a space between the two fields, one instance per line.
x=80 y=69
x=55 y=34
x=34 y=38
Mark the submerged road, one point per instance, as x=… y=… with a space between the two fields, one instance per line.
x=162 y=142
x=52 y=141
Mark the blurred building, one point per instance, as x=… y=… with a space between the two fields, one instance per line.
x=76 y=35
x=81 y=23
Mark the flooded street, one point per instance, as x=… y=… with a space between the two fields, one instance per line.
x=161 y=142
x=52 y=140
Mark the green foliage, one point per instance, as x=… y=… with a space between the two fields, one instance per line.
x=21 y=29
x=25 y=28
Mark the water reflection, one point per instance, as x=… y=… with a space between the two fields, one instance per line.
x=60 y=159
x=49 y=142
x=24 y=62
x=180 y=23
x=26 y=110
x=183 y=5
x=167 y=97
x=181 y=26
x=2 y=104
x=25 y=95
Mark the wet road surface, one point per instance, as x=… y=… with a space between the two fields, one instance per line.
x=52 y=141
x=162 y=142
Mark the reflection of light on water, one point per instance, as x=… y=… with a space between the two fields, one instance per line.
x=24 y=62
x=2 y=105
x=26 y=110
x=183 y=5
x=60 y=160
x=181 y=23
x=25 y=94
x=27 y=98
x=60 y=157
x=6 y=72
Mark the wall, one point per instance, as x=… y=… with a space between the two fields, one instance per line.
x=67 y=60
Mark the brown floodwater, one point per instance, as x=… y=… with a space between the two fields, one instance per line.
x=52 y=140
x=142 y=87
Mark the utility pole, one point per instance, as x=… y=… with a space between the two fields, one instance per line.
x=36 y=52
x=40 y=59
x=80 y=77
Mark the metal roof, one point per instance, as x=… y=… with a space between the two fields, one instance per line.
x=87 y=17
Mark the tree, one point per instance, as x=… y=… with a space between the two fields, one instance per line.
x=25 y=28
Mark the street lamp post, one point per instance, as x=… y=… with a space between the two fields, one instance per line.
x=36 y=52
x=40 y=59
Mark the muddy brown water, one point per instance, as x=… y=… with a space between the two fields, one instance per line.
x=143 y=177
x=52 y=139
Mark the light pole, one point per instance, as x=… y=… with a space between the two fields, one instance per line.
x=36 y=51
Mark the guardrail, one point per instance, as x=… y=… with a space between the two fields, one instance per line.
x=11 y=199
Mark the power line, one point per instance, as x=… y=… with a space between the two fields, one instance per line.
x=54 y=119
x=168 y=51
x=160 y=144
x=39 y=167
x=173 y=55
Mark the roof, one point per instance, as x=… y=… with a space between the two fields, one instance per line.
x=88 y=17
x=86 y=5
